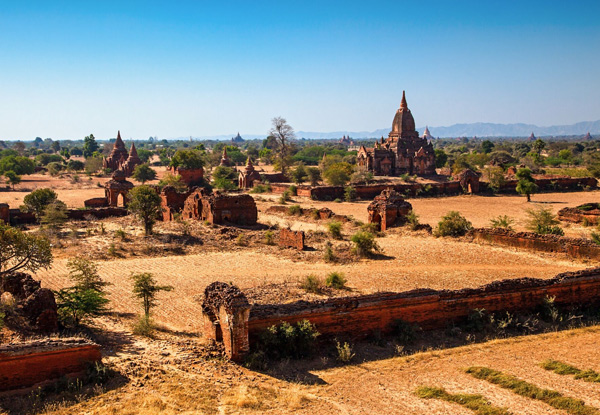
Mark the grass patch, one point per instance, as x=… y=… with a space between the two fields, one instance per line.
x=476 y=403
x=312 y=284
x=562 y=368
x=520 y=387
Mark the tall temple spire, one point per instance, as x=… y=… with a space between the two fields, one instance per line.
x=133 y=151
x=403 y=103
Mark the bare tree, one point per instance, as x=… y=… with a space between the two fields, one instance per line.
x=283 y=134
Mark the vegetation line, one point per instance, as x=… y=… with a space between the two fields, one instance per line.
x=529 y=390
x=477 y=403
x=562 y=368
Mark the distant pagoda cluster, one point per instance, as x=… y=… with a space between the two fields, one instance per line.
x=121 y=160
x=402 y=152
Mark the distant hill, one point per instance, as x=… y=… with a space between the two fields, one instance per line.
x=479 y=129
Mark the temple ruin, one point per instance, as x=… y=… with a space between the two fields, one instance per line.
x=402 y=152
x=117 y=187
x=388 y=209
x=218 y=208
x=120 y=159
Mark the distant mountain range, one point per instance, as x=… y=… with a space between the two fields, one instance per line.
x=479 y=129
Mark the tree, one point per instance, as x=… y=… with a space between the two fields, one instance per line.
x=453 y=224
x=65 y=153
x=145 y=288
x=93 y=164
x=173 y=180
x=22 y=251
x=89 y=146
x=56 y=146
x=19 y=164
x=314 y=175
x=75 y=165
x=187 y=159
x=487 y=146
x=37 y=201
x=12 y=178
x=299 y=174
x=224 y=178
x=145 y=203
x=55 y=214
x=440 y=158
x=526 y=185
x=282 y=133
x=495 y=176
x=538 y=145
x=338 y=174
x=144 y=173
x=87 y=297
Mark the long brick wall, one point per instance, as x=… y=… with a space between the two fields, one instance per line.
x=18 y=218
x=361 y=316
x=573 y=247
x=26 y=364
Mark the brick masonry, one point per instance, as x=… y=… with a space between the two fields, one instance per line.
x=291 y=239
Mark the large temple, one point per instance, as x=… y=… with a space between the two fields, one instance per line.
x=120 y=159
x=402 y=152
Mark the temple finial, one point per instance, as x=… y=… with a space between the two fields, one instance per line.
x=403 y=103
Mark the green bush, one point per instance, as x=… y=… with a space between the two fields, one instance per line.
x=412 y=219
x=269 y=238
x=453 y=224
x=286 y=196
x=293 y=190
x=344 y=352
x=364 y=244
x=144 y=326
x=328 y=255
x=294 y=210
x=336 y=280
x=543 y=221
x=502 y=222
x=312 y=284
x=289 y=341
x=349 y=194
x=403 y=331
x=261 y=188
x=335 y=229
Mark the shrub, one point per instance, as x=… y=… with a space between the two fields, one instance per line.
x=328 y=255
x=364 y=244
x=312 y=284
x=595 y=237
x=314 y=175
x=335 y=229
x=502 y=222
x=121 y=234
x=337 y=200
x=37 y=201
x=261 y=188
x=294 y=210
x=349 y=194
x=289 y=341
x=293 y=190
x=241 y=240
x=412 y=219
x=269 y=238
x=174 y=180
x=144 y=326
x=336 y=280
x=145 y=203
x=403 y=331
x=453 y=224
x=338 y=174
x=55 y=214
x=344 y=352
x=286 y=196
x=543 y=221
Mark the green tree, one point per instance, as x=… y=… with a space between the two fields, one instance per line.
x=283 y=134
x=145 y=203
x=487 y=146
x=144 y=173
x=441 y=158
x=299 y=174
x=314 y=175
x=93 y=164
x=19 y=164
x=90 y=146
x=12 y=178
x=174 y=180
x=65 y=153
x=22 y=251
x=453 y=224
x=187 y=159
x=146 y=288
x=84 y=273
x=338 y=174
x=538 y=145
x=224 y=178
x=37 y=201
x=55 y=214
x=495 y=176
x=526 y=185
x=75 y=165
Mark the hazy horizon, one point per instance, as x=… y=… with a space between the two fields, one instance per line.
x=155 y=69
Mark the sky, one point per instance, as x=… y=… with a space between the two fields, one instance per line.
x=194 y=68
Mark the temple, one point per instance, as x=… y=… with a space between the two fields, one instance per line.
x=402 y=152
x=120 y=159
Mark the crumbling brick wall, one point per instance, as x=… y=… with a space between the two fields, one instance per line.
x=388 y=209
x=589 y=212
x=225 y=312
x=291 y=239
x=361 y=316
x=172 y=202
x=29 y=363
x=96 y=202
x=220 y=208
x=574 y=247
x=191 y=177
x=4 y=213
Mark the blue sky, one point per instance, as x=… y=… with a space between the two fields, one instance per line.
x=181 y=68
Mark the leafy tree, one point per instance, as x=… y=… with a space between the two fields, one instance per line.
x=338 y=174
x=12 y=178
x=282 y=133
x=526 y=185
x=174 y=180
x=22 y=251
x=55 y=214
x=56 y=146
x=299 y=174
x=84 y=273
x=440 y=158
x=55 y=168
x=90 y=146
x=144 y=173
x=75 y=165
x=45 y=159
x=361 y=177
x=145 y=203
x=19 y=164
x=538 y=145
x=144 y=155
x=224 y=178
x=37 y=201
x=495 y=176
x=487 y=146
x=75 y=305
x=76 y=151
x=146 y=288
x=453 y=224
x=65 y=153
x=501 y=158
x=93 y=164
x=543 y=221
x=314 y=175
x=187 y=159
